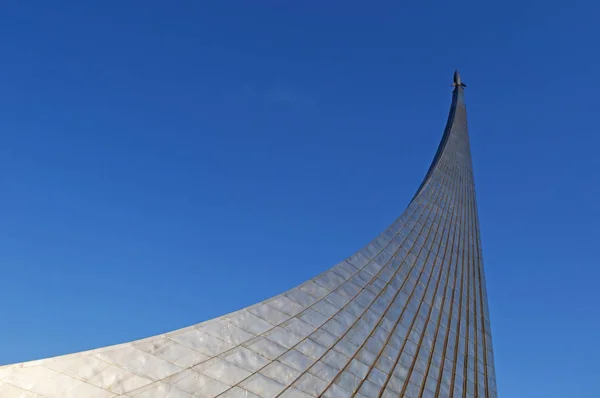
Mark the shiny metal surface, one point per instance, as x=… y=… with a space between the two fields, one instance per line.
x=405 y=316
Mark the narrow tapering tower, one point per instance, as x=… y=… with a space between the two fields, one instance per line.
x=406 y=316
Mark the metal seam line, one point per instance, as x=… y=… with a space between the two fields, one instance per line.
x=445 y=176
x=458 y=321
x=410 y=329
x=408 y=378
x=466 y=383
x=458 y=270
x=411 y=368
x=437 y=192
x=481 y=301
x=452 y=264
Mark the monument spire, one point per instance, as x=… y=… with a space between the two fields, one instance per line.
x=405 y=316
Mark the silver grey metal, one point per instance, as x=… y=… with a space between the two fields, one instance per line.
x=457 y=81
x=406 y=316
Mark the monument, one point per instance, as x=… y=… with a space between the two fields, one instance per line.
x=406 y=316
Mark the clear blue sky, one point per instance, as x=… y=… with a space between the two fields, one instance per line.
x=167 y=162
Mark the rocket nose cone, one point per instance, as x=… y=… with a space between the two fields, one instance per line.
x=456 y=77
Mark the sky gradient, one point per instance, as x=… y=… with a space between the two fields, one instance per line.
x=164 y=163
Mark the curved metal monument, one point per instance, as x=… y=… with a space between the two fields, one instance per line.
x=406 y=316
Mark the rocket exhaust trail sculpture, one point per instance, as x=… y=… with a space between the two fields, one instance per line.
x=406 y=316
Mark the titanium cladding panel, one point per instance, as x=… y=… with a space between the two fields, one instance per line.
x=406 y=316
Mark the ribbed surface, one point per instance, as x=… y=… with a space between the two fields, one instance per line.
x=405 y=316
